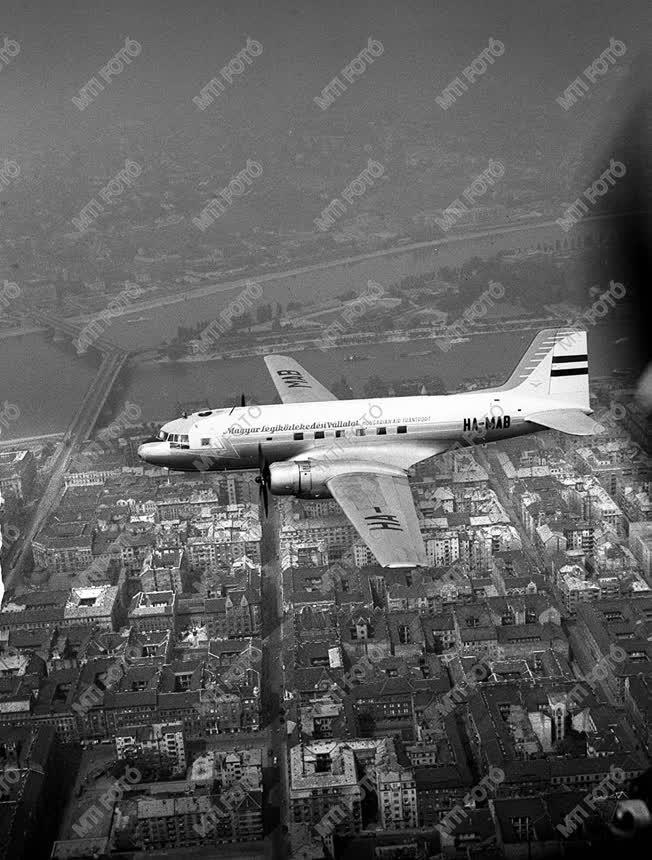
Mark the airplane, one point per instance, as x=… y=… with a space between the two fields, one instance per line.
x=358 y=452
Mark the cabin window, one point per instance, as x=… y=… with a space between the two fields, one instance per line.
x=381 y=431
x=298 y=437
x=269 y=438
x=339 y=433
x=205 y=442
x=401 y=428
x=319 y=434
x=359 y=431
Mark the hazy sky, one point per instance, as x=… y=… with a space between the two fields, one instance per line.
x=427 y=44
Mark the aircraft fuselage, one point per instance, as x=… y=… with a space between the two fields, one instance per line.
x=224 y=439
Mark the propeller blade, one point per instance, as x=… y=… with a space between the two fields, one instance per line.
x=243 y=402
x=262 y=493
x=263 y=479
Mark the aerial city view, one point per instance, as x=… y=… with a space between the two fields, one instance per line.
x=325 y=396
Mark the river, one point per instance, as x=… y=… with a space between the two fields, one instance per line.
x=44 y=380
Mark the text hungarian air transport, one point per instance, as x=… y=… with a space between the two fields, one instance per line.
x=313 y=445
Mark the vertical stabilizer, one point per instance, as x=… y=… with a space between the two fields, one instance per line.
x=569 y=372
x=555 y=365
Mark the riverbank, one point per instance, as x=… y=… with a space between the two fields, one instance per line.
x=329 y=281
x=189 y=292
x=361 y=339
x=27 y=441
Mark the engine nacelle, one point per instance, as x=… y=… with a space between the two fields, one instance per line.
x=301 y=479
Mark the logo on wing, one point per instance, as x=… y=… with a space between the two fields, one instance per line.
x=293 y=378
x=386 y=522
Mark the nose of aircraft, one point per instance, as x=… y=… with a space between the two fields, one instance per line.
x=153 y=452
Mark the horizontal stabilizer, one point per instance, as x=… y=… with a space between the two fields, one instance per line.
x=568 y=421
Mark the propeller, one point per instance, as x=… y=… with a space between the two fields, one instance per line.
x=263 y=480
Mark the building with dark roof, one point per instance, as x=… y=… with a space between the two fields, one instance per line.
x=525 y=729
x=601 y=626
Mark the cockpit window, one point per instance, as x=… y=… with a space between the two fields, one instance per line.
x=162 y=435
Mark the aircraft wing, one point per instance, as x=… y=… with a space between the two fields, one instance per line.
x=293 y=383
x=572 y=421
x=355 y=454
x=381 y=509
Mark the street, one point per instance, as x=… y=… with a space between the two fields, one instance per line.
x=504 y=499
x=272 y=697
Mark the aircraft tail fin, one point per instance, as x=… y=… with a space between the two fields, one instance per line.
x=555 y=365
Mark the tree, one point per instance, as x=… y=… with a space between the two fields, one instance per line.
x=264 y=313
x=470 y=268
x=245 y=320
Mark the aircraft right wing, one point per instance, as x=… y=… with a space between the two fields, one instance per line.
x=381 y=508
x=293 y=383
